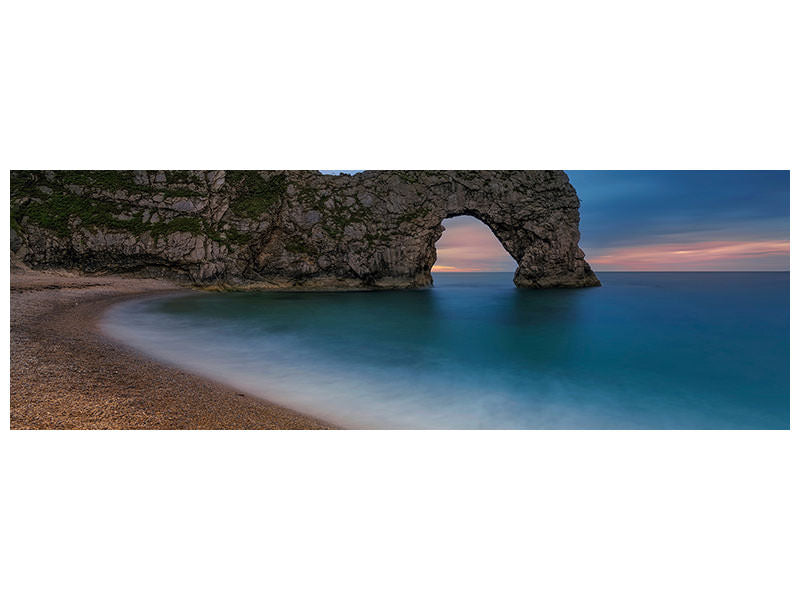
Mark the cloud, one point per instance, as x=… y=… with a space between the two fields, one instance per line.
x=619 y=208
x=700 y=256
x=625 y=212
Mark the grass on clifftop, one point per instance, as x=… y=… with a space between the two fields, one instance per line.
x=58 y=210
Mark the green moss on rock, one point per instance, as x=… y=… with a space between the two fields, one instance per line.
x=297 y=245
x=256 y=196
x=58 y=209
x=237 y=238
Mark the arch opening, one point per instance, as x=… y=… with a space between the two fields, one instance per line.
x=468 y=245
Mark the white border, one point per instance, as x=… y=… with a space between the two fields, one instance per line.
x=576 y=85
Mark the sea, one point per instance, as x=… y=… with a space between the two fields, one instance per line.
x=644 y=351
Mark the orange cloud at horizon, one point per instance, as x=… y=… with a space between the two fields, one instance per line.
x=719 y=254
x=437 y=268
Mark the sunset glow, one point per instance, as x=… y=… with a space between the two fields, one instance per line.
x=468 y=245
x=697 y=256
x=449 y=269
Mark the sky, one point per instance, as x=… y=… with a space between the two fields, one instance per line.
x=656 y=221
x=467 y=244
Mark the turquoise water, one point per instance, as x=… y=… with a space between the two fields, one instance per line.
x=645 y=351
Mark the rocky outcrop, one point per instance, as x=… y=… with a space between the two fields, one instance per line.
x=375 y=229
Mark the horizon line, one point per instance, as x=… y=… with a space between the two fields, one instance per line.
x=642 y=271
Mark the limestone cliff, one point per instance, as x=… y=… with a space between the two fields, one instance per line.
x=376 y=229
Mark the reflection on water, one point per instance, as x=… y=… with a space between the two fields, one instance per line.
x=654 y=350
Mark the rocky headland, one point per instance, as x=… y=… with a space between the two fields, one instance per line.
x=277 y=229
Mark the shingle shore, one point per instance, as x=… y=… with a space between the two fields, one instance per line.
x=66 y=375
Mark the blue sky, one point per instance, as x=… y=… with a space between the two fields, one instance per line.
x=695 y=219
x=659 y=220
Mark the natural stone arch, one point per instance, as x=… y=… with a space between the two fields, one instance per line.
x=375 y=229
x=542 y=262
x=534 y=215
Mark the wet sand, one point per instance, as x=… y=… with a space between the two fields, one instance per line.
x=66 y=375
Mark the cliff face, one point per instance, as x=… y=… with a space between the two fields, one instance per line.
x=376 y=229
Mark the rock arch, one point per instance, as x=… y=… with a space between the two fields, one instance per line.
x=534 y=215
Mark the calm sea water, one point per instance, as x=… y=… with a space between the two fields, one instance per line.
x=645 y=351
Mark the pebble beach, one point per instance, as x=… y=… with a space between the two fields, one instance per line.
x=66 y=375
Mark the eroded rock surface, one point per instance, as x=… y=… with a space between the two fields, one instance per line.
x=375 y=229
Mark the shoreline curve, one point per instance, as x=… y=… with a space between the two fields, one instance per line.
x=67 y=374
